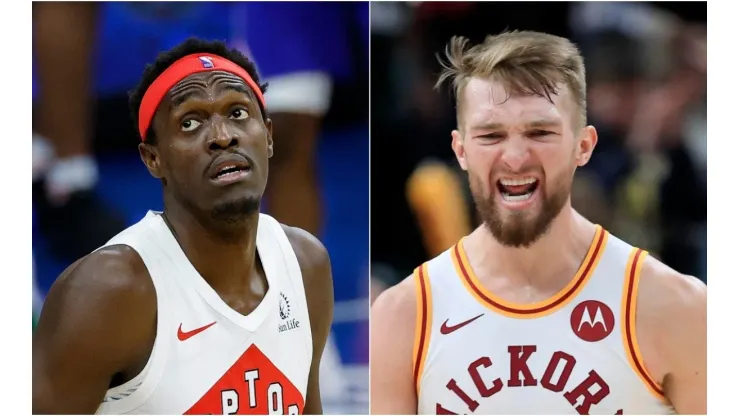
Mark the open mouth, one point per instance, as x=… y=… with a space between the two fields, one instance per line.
x=230 y=171
x=517 y=189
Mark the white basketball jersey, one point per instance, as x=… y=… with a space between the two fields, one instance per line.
x=574 y=353
x=208 y=358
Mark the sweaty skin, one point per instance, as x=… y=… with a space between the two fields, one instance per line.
x=495 y=136
x=98 y=325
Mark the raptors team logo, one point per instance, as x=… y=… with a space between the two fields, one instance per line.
x=253 y=385
x=592 y=320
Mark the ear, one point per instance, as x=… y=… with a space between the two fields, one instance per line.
x=586 y=143
x=150 y=156
x=459 y=149
x=268 y=126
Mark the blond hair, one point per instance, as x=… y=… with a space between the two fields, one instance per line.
x=526 y=63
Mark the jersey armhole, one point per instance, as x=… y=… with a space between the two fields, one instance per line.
x=134 y=393
x=423 y=323
x=629 y=319
x=295 y=275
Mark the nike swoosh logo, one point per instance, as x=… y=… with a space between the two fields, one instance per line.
x=450 y=329
x=182 y=336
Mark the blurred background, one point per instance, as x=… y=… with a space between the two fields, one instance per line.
x=646 y=69
x=89 y=183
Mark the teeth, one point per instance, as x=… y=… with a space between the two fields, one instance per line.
x=226 y=170
x=516 y=181
x=517 y=198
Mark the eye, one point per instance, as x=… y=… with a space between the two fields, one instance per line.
x=491 y=137
x=190 y=125
x=239 y=114
x=540 y=133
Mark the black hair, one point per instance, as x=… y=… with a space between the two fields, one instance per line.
x=165 y=59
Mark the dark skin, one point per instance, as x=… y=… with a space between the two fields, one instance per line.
x=98 y=325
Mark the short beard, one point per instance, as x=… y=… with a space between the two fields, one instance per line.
x=517 y=231
x=235 y=212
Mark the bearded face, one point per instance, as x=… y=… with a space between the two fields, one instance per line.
x=518 y=208
x=520 y=153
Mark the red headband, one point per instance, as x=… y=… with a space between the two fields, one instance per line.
x=182 y=68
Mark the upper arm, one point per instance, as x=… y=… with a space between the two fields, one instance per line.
x=686 y=348
x=675 y=311
x=89 y=329
x=317 y=281
x=392 y=325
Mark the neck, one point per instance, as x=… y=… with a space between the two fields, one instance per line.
x=555 y=255
x=221 y=253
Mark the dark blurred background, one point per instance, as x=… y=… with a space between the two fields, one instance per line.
x=646 y=72
x=89 y=182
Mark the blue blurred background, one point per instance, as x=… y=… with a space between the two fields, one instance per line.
x=315 y=55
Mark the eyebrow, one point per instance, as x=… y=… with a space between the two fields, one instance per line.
x=488 y=126
x=544 y=123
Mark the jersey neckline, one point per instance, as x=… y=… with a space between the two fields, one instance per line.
x=254 y=319
x=534 y=310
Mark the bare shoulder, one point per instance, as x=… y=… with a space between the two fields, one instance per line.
x=393 y=319
x=315 y=265
x=393 y=325
x=310 y=252
x=115 y=271
x=671 y=319
x=669 y=296
x=395 y=308
x=101 y=311
x=113 y=277
x=106 y=290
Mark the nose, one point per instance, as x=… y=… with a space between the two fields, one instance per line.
x=515 y=153
x=222 y=137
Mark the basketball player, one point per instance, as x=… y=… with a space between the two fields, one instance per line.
x=538 y=310
x=209 y=307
